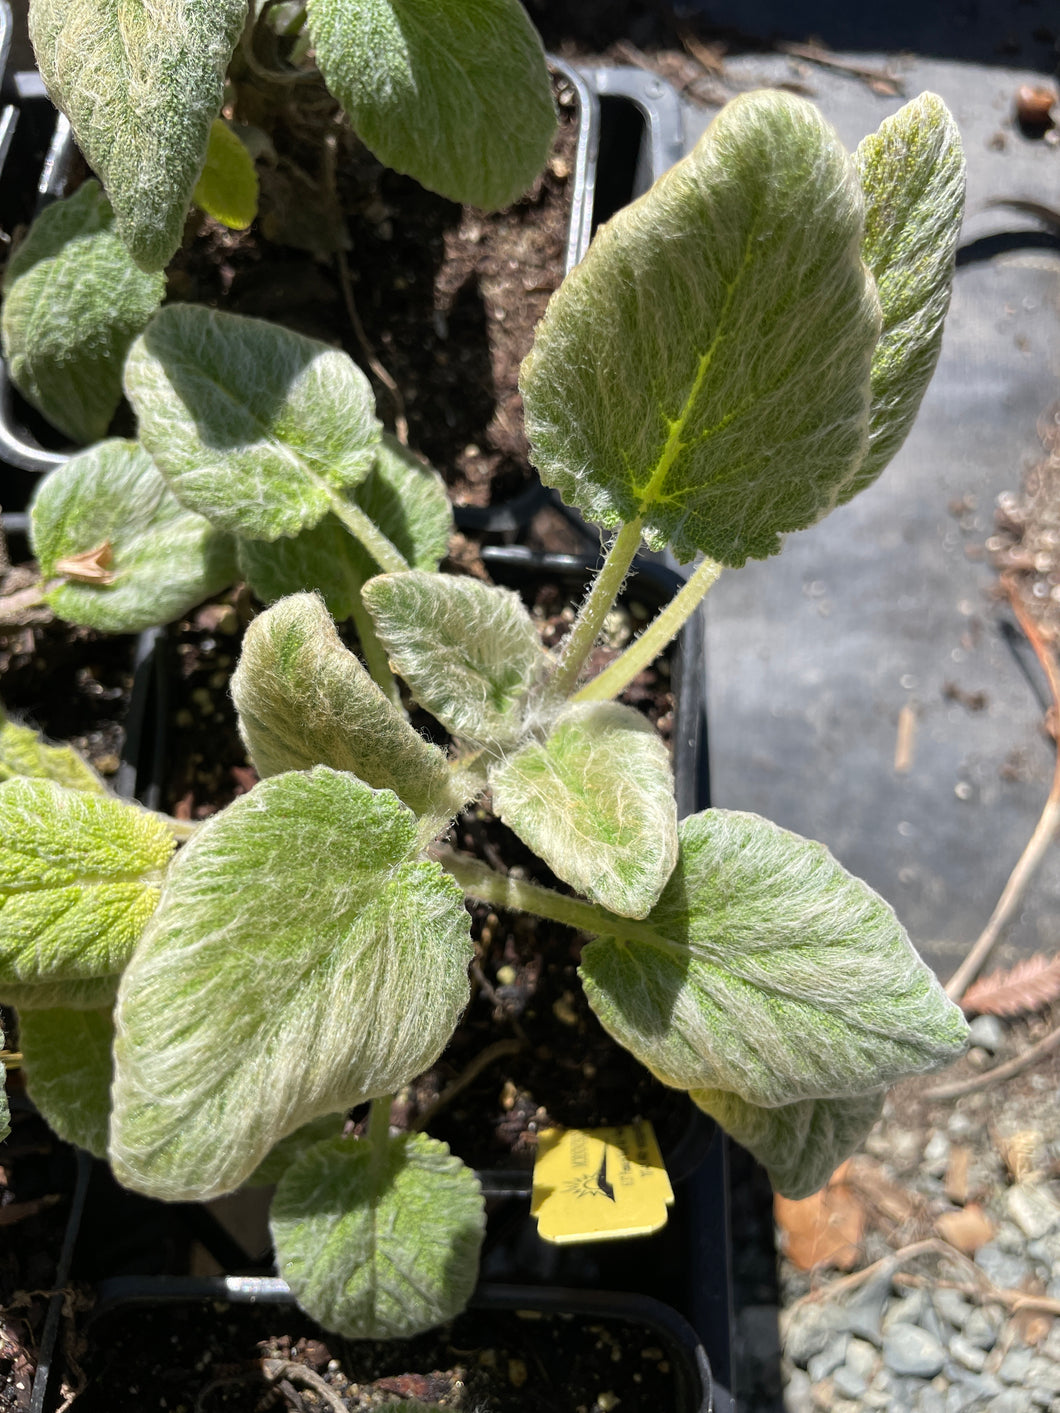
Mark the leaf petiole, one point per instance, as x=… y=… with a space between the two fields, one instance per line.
x=598 y=604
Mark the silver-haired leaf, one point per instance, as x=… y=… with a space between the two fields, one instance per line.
x=595 y=800
x=300 y=943
x=304 y=699
x=67 y=1059
x=800 y=1145
x=706 y=366
x=126 y=553
x=452 y=92
x=141 y=82
x=279 y=1159
x=379 y=1245
x=80 y=875
x=912 y=174
x=768 y=971
x=23 y=751
x=91 y=993
x=400 y=495
x=252 y=425
x=74 y=300
x=468 y=650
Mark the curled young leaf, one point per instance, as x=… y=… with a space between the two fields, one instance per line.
x=379 y=1244
x=912 y=174
x=66 y=1056
x=768 y=971
x=141 y=82
x=800 y=1145
x=154 y=559
x=304 y=699
x=452 y=92
x=73 y=302
x=303 y=946
x=24 y=751
x=80 y=875
x=706 y=367
x=253 y=426
x=469 y=651
x=595 y=799
x=227 y=190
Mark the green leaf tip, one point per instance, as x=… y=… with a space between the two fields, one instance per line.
x=705 y=368
x=305 y=946
x=24 y=752
x=227 y=190
x=379 y=1242
x=66 y=1056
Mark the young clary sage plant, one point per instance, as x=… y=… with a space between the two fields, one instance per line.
x=742 y=350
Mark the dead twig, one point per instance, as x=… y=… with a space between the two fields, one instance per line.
x=485 y=1057
x=986 y=1292
x=881 y=81
x=980 y=1081
x=279 y=1370
x=930 y=1246
x=401 y=425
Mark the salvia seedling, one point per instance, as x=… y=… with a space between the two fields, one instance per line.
x=743 y=349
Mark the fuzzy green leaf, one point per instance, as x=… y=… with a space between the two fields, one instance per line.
x=404 y=498
x=66 y=1056
x=912 y=173
x=228 y=187
x=452 y=92
x=79 y=877
x=768 y=971
x=252 y=425
x=90 y=993
x=595 y=800
x=706 y=366
x=304 y=947
x=23 y=751
x=800 y=1145
x=379 y=1245
x=279 y=1159
x=304 y=699
x=73 y=302
x=157 y=559
x=468 y=650
x=141 y=82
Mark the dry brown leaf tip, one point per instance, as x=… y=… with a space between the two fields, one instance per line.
x=90 y=566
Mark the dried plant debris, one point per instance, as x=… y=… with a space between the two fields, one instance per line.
x=1023 y=989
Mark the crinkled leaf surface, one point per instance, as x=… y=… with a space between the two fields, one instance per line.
x=765 y=969
x=706 y=366
x=403 y=497
x=304 y=947
x=912 y=173
x=379 y=1245
x=468 y=650
x=227 y=190
x=279 y=1159
x=90 y=993
x=595 y=800
x=66 y=1056
x=79 y=877
x=74 y=300
x=452 y=92
x=252 y=425
x=23 y=751
x=158 y=558
x=800 y=1145
x=304 y=699
x=141 y=82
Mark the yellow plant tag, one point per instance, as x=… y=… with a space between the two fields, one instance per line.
x=599 y=1184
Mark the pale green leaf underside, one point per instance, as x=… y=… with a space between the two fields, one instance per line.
x=379 y=1245
x=279 y=1159
x=768 y=971
x=24 y=752
x=141 y=82
x=74 y=300
x=66 y=1056
x=252 y=425
x=79 y=877
x=303 y=946
x=912 y=173
x=452 y=92
x=227 y=190
x=162 y=558
x=595 y=800
x=90 y=993
x=706 y=366
x=304 y=699
x=800 y=1145
x=469 y=651
x=406 y=500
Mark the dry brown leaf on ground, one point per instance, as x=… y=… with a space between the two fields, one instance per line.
x=824 y=1230
x=1029 y=986
x=955 y=1184
x=967 y=1229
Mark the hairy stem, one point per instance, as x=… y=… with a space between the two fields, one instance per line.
x=598 y=604
x=375 y=657
x=660 y=631
x=361 y=528
x=378 y=1130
